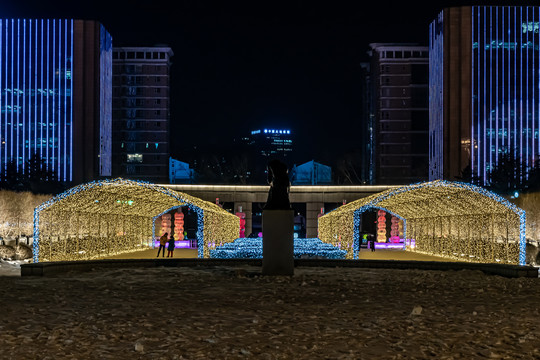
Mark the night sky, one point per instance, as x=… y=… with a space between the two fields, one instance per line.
x=243 y=65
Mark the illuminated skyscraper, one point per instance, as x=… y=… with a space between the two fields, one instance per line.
x=141 y=113
x=261 y=146
x=484 y=88
x=272 y=143
x=55 y=101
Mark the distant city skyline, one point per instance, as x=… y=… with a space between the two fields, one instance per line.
x=244 y=65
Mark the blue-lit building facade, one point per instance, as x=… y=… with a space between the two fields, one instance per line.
x=484 y=89
x=55 y=99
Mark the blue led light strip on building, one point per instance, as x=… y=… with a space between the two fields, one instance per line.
x=71 y=106
x=36 y=72
x=47 y=97
x=2 y=97
x=505 y=87
x=65 y=103
x=11 y=140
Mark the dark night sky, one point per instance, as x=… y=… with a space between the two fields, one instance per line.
x=242 y=65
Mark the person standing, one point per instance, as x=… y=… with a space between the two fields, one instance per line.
x=162 y=243
x=372 y=245
x=170 y=248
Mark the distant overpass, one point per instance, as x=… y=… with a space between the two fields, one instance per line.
x=314 y=197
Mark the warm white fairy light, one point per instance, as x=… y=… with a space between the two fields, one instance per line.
x=107 y=217
x=450 y=219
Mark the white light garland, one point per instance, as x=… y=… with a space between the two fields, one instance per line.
x=107 y=217
x=449 y=219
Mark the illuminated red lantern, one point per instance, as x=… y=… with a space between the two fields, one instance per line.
x=381 y=226
x=242 y=217
x=179 y=225
x=166 y=224
x=394 y=233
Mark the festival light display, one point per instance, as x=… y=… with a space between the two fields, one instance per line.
x=107 y=217
x=179 y=225
x=449 y=219
x=166 y=224
x=394 y=232
x=251 y=248
x=242 y=216
x=381 y=226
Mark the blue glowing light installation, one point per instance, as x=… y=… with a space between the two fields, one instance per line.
x=251 y=248
x=36 y=97
x=101 y=183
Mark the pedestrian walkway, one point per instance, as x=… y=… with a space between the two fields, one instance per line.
x=364 y=254
x=386 y=254
x=151 y=254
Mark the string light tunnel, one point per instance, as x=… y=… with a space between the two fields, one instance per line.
x=109 y=217
x=449 y=219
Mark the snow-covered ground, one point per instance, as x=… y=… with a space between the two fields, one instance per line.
x=11 y=267
x=235 y=313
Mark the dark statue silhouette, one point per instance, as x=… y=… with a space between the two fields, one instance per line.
x=278 y=178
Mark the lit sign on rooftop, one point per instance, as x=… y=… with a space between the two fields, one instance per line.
x=274 y=131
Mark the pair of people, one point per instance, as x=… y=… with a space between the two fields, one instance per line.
x=163 y=240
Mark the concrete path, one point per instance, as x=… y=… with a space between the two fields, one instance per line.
x=151 y=254
x=365 y=254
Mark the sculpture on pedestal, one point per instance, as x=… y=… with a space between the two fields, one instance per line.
x=278 y=179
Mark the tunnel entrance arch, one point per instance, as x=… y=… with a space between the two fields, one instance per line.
x=449 y=219
x=106 y=217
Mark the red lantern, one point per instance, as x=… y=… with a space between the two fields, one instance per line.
x=381 y=226
x=179 y=225
x=394 y=233
x=242 y=216
x=166 y=224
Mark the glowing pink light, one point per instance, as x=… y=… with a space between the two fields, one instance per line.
x=179 y=244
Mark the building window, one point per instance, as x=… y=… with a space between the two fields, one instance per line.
x=134 y=158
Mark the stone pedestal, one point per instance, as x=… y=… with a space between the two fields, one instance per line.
x=278 y=242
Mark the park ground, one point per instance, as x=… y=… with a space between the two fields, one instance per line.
x=233 y=312
x=364 y=254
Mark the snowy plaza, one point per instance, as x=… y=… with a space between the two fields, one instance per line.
x=235 y=312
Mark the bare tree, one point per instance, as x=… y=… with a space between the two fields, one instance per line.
x=8 y=204
x=530 y=202
x=17 y=212
x=348 y=170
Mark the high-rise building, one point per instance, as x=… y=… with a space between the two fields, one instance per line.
x=141 y=112
x=55 y=77
x=398 y=120
x=484 y=89
x=256 y=149
x=272 y=143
